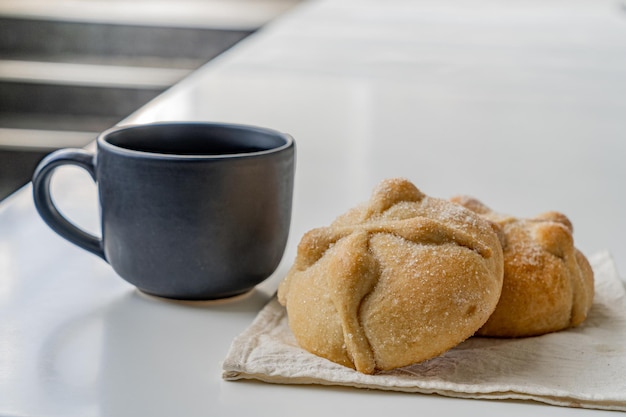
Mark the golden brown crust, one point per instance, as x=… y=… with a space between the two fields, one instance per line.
x=393 y=282
x=548 y=283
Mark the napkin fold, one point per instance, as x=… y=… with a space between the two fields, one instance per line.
x=580 y=367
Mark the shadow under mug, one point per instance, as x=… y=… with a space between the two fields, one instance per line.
x=192 y=211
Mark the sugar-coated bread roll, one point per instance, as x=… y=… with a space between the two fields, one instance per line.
x=548 y=283
x=396 y=281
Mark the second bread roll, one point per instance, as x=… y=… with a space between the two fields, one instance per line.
x=548 y=283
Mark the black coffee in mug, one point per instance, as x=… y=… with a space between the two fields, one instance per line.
x=188 y=210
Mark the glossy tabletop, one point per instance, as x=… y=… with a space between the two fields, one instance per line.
x=519 y=103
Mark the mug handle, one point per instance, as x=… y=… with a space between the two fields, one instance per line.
x=46 y=207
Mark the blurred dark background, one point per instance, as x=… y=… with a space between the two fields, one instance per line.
x=67 y=74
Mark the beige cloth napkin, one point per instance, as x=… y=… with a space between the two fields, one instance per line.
x=580 y=367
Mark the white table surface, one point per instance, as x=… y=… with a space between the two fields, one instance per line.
x=520 y=103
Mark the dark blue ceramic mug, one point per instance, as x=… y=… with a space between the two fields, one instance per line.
x=191 y=211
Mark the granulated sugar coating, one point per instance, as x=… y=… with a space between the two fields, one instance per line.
x=392 y=282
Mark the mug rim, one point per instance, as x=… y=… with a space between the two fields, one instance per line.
x=105 y=144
